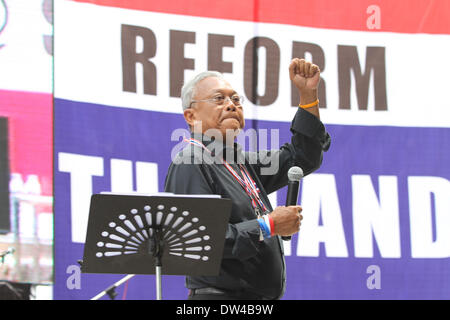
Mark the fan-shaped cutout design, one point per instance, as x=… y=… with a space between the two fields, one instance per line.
x=129 y=233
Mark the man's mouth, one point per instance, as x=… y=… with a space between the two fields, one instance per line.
x=233 y=117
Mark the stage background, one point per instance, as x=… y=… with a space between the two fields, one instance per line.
x=378 y=208
x=26 y=104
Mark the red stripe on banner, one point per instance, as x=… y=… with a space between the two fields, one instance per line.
x=405 y=16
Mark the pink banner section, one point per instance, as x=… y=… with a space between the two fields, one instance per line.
x=30 y=130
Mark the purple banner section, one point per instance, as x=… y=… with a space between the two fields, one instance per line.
x=396 y=171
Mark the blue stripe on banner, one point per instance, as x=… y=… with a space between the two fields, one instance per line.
x=394 y=171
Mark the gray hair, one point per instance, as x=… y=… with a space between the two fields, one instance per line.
x=188 y=90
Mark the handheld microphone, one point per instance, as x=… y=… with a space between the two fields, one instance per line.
x=295 y=174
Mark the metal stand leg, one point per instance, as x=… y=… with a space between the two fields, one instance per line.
x=111 y=290
x=158 y=283
x=156 y=246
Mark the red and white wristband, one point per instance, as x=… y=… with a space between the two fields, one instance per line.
x=266 y=225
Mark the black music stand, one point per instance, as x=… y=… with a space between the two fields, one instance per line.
x=170 y=234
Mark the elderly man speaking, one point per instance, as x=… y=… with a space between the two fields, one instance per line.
x=253 y=265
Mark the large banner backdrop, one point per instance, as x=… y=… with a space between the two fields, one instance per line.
x=376 y=214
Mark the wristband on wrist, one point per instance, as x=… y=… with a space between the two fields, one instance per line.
x=267 y=220
x=272 y=226
x=265 y=228
x=309 y=105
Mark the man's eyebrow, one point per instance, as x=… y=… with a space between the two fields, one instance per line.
x=223 y=90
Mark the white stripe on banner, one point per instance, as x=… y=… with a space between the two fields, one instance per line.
x=370 y=78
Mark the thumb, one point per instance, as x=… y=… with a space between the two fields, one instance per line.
x=297 y=208
x=292 y=67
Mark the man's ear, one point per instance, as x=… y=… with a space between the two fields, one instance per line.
x=189 y=116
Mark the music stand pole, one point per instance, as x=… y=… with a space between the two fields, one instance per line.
x=158 y=283
x=156 y=247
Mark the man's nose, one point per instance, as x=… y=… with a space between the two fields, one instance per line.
x=229 y=105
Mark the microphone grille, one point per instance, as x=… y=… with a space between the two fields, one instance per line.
x=295 y=174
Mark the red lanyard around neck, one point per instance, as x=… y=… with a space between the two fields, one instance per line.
x=246 y=182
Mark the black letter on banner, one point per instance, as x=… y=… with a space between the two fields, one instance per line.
x=4 y=177
x=251 y=70
x=375 y=60
x=178 y=62
x=130 y=57
x=216 y=43
x=299 y=50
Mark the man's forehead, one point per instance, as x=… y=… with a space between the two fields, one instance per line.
x=212 y=85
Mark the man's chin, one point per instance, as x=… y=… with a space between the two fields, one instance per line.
x=231 y=133
x=234 y=128
x=231 y=124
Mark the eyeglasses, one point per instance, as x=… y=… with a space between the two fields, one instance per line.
x=222 y=99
